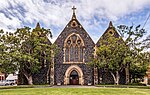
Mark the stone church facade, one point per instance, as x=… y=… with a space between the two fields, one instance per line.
x=70 y=65
x=76 y=48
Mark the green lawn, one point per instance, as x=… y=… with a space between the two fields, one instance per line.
x=75 y=91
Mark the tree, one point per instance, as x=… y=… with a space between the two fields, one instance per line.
x=146 y=42
x=140 y=58
x=26 y=51
x=7 y=64
x=33 y=50
x=116 y=54
x=111 y=55
x=139 y=66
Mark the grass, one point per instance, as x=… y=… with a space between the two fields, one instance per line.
x=74 y=91
x=125 y=86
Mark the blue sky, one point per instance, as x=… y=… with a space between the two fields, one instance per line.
x=94 y=15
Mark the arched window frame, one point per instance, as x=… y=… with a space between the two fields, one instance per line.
x=74 y=45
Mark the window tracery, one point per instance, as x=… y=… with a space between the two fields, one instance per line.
x=73 y=49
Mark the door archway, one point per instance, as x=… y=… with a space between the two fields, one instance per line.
x=74 y=78
x=76 y=73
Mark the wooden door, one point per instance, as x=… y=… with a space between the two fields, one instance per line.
x=74 y=78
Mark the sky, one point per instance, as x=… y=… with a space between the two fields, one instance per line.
x=94 y=15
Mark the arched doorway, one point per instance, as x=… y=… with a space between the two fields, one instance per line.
x=75 y=73
x=74 y=78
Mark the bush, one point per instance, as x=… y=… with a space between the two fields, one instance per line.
x=136 y=84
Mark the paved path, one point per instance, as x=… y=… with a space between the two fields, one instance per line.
x=73 y=86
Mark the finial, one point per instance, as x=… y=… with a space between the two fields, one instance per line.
x=110 y=24
x=73 y=8
x=73 y=16
x=38 y=26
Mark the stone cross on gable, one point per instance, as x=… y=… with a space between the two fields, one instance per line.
x=73 y=9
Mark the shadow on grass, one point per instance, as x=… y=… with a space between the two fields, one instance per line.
x=24 y=86
x=124 y=86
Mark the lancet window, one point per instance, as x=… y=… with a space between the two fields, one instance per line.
x=74 y=49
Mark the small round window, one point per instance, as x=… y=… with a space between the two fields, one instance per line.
x=73 y=23
x=111 y=32
x=69 y=42
x=79 y=42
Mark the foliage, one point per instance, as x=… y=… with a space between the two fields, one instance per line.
x=140 y=59
x=27 y=50
x=146 y=42
x=7 y=64
x=33 y=50
x=112 y=55
x=115 y=54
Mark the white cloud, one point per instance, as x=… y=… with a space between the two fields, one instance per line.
x=93 y=14
x=9 y=24
x=3 y=4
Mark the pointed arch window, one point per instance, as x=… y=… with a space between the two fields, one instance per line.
x=73 y=49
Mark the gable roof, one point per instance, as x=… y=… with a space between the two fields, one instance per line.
x=38 y=26
x=73 y=25
x=110 y=29
x=37 y=29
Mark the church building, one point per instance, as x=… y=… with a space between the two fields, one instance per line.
x=70 y=65
x=76 y=48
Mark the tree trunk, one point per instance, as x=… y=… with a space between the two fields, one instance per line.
x=116 y=78
x=48 y=74
x=98 y=75
x=29 y=79
x=127 y=75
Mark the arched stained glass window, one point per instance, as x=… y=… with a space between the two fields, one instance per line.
x=73 y=49
x=76 y=54
x=81 y=54
x=67 y=54
x=71 y=53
